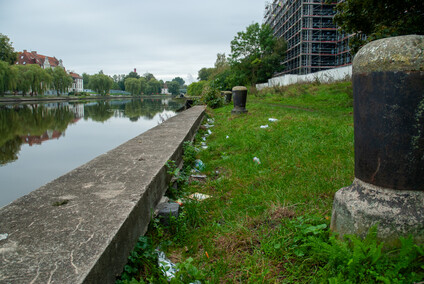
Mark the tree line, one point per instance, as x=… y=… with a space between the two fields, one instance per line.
x=33 y=79
x=132 y=83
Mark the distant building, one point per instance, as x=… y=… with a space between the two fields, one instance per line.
x=77 y=85
x=44 y=62
x=165 y=90
x=314 y=42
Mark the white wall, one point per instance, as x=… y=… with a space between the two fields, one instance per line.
x=327 y=76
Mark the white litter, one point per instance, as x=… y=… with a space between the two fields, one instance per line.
x=167 y=266
x=256 y=160
x=272 y=119
x=207 y=125
x=203 y=143
x=204 y=147
x=211 y=120
x=3 y=236
x=198 y=196
x=264 y=126
x=204 y=138
x=227 y=137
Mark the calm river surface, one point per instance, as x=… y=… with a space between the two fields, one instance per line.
x=40 y=142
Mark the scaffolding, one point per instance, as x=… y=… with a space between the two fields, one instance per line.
x=314 y=42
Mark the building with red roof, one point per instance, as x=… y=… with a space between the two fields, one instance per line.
x=44 y=62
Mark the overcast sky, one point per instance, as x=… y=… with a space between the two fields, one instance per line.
x=167 y=38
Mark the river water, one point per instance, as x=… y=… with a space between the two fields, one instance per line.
x=40 y=142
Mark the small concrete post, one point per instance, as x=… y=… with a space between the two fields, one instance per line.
x=239 y=98
x=227 y=95
x=388 y=88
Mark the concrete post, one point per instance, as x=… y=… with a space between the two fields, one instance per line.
x=239 y=98
x=388 y=87
x=227 y=95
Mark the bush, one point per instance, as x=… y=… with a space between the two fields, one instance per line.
x=211 y=97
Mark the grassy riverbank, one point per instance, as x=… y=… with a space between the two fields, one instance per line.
x=268 y=222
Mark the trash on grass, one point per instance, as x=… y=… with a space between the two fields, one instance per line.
x=272 y=119
x=227 y=137
x=3 y=236
x=203 y=143
x=207 y=125
x=167 y=266
x=204 y=147
x=209 y=132
x=256 y=160
x=204 y=138
x=199 y=196
x=264 y=126
x=199 y=165
x=211 y=120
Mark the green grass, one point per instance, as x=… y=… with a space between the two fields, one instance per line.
x=269 y=222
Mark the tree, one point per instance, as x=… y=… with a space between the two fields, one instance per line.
x=7 y=52
x=133 y=86
x=23 y=82
x=101 y=83
x=204 y=74
x=8 y=77
x=379 y=19
x=39 y=80
x=61 y=81
x=173 y=87
x=85 y=79
x=153 y=86
x=132 y=74
x=256 y=54
x=148 y=76
x=196 y=88
x=179 y=80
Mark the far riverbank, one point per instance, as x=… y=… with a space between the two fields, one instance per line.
x=21 y=99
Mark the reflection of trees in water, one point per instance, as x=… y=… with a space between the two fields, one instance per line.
x=23 y=121
x=34 y=122
x=99 y=112
x=148 y=108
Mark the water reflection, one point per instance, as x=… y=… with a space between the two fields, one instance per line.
x=34 y=124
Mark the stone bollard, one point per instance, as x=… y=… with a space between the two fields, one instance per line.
x=239 y=98
x=227 y=95
x=388 y=88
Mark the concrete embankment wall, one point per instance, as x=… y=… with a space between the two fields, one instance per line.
x=81 y=227
x=327 y=76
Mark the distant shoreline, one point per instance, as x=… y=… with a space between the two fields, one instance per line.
x=4 y=100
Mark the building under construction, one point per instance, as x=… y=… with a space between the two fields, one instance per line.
x=313 y=41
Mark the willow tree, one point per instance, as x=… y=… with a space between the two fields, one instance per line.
x=61 y=80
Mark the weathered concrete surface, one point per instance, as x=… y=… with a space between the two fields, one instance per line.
x=81 y=227
x=358 y=207
x=401 y=53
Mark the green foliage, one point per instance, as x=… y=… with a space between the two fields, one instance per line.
x=8 y=77
x=142 y=263
x=196 y=88
x=256 y=54
x=204 y=74
x=212 y=97
x=379 y=19
x=133 y=85
x=100 y=83
x=179 y=80
x=61 y=80
x=173 y=87
x=7 y=52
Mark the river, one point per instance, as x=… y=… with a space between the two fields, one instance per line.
x=40 y=142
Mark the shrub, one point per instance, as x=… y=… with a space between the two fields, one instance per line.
x=211 y=97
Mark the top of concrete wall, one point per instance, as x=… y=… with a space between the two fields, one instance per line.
x=402 y=53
